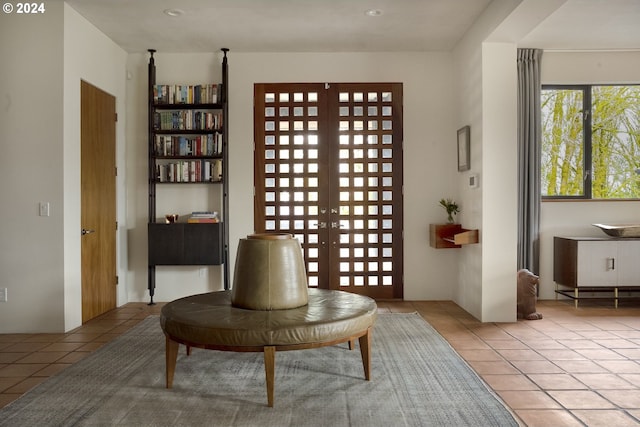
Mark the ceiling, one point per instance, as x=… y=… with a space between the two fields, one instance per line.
x=589 y=25
x=343 y=25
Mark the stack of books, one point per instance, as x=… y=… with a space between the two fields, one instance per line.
x=203 y=217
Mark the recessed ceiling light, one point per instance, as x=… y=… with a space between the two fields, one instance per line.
x=173 y=12
x=373 y=12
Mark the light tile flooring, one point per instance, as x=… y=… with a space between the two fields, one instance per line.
x=575 y=367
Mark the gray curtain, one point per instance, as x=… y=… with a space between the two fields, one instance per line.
x=529 y=148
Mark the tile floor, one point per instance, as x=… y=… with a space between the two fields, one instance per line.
x=576 y=367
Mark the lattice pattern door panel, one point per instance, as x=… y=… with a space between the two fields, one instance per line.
x=289 y=168
x=367 y=164
x=328 y=169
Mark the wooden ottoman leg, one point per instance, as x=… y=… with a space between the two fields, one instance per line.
x=269 y=370
x=365 y=351
x=171 y=355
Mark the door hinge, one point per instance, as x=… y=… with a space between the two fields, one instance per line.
x=116 y=171
x=116 y=225
x=116 y=117
x=117 y=280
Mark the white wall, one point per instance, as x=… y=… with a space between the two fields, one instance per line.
x=429 y=152
x=568 y=218
x=468 y=94
x=31 y=147
x=499 y=165
x=486 y=101
x=44 y=58
x=90 y=56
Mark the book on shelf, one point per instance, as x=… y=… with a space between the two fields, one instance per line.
x=204 y=213
x=216 y=170
x=189 y=171
x=185 y=94
x=183 y=145
x=187 y=120
x=212 y=170
x=203 y=217
x=203 y=220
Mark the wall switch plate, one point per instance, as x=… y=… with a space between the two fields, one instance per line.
x=3 y=294
x=473 y=181
x=44 y=208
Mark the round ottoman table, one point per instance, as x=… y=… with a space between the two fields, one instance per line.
x=210 y=321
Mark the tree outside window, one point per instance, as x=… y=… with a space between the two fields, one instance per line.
x=590 y=142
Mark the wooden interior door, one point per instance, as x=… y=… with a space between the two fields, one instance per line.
x=328 y=169
x=98 y=201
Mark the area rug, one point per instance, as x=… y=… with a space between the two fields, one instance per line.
x=417 y=380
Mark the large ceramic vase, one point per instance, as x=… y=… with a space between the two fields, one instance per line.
x=269 y=273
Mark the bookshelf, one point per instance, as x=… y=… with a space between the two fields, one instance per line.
x=188 y=138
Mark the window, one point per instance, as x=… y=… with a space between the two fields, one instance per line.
x=590 y=142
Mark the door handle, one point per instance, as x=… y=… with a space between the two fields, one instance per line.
x=320 y=224
x=85 y=231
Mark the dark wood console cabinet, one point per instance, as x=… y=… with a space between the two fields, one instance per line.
x=185 y=244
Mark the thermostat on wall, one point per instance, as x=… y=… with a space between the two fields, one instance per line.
x=473 y=181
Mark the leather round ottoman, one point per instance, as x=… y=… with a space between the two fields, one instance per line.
x=210 y=321
x=269 y=273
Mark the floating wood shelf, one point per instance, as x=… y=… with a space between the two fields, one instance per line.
x=451 y=236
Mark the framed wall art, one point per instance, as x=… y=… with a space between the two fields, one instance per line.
x=464 y=154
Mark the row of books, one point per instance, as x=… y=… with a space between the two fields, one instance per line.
x=203 y=217
x=180 y=145
x=187 y=120
x=190 y=171
x=185 y=94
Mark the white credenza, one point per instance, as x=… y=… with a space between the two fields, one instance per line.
x=597 y=264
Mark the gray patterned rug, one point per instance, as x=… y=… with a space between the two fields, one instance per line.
x=417 y=380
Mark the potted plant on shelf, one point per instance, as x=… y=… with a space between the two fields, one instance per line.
x=451 y=207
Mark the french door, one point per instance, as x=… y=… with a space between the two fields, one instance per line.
x=328 y=169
